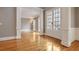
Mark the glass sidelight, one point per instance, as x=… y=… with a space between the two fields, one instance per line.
x=57 y=19
x=39 y=23
x=49 y=21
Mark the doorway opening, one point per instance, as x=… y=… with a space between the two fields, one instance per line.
x=28 y=20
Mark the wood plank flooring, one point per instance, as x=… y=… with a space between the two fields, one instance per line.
x=34 y=42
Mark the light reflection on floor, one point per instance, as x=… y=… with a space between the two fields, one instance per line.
x=34 y=41
x=49 y=46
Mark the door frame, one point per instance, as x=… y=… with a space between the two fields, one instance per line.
x=18 y=22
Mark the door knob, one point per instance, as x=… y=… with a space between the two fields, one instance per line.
x=52 y=23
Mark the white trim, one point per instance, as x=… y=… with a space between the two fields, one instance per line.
x=53 y=36
x=71 y=35
x=25 y=30
x=7 y=38
x=76 y=33
x=42 y=33
x=65 y=44
x=18 y=22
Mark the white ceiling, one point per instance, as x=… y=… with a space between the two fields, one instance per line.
x=28 y=12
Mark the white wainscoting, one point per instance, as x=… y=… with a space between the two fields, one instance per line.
x=68 y=36
x=76 y=33
x=71 y=35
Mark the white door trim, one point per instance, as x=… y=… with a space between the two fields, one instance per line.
x=18 y=22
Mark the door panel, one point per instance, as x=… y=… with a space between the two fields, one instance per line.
x=57 y=22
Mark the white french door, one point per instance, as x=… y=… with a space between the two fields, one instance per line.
x=57 y=22
x=49 y=23
x=54 y=23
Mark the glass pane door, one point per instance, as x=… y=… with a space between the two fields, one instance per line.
x=56 y=22
x=49 y=22
x=39 y=23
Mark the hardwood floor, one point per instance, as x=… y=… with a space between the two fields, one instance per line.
x=35 y=42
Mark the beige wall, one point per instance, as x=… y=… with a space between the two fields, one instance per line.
x=64 y=18
x=77 y=17
x=73 y=17
x=8 y=20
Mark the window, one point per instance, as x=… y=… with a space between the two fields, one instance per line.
x=57 y=18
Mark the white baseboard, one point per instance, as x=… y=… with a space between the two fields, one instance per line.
x=65 y=44
x=7 y=38
x=41 y=33
x=18 y=37
x=24 y=30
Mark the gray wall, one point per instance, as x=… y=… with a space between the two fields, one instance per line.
x=8 y=20
x=26 y=24
x=73 y=17
x=77 y=17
